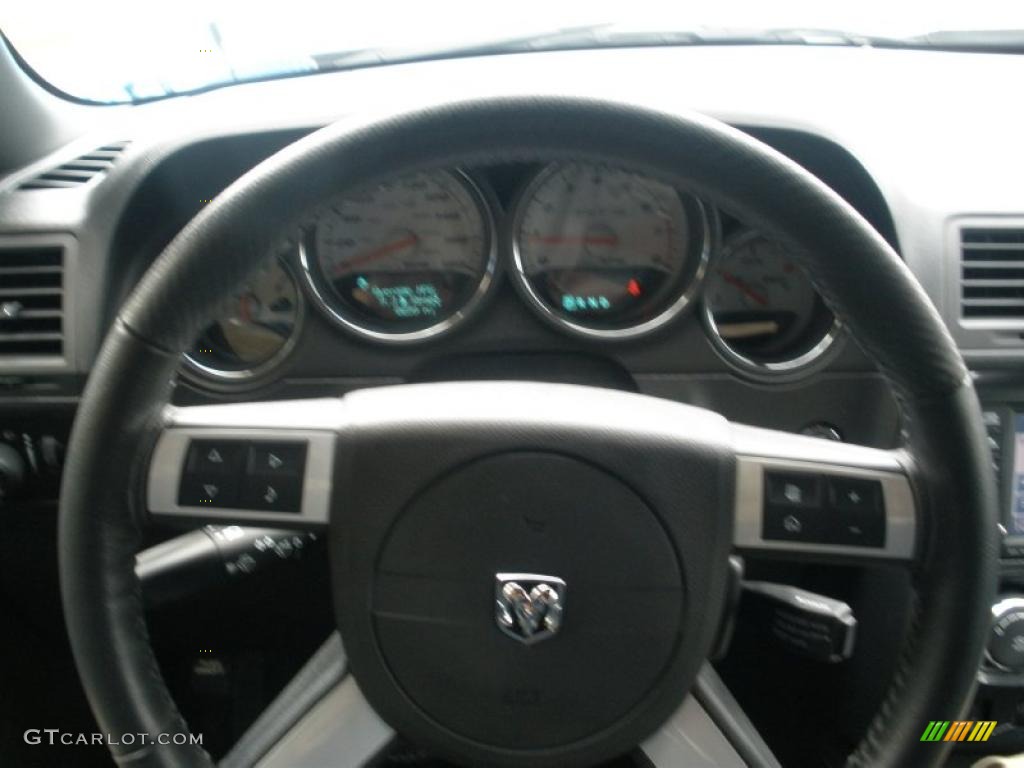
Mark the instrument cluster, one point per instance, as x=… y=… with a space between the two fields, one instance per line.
x=597 y=252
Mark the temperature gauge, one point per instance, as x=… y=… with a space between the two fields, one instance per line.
x=257 y=330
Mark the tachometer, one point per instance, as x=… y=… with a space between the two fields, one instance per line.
x=607 y=253
x=405 y=260
x=257 y=330
x=762 y=310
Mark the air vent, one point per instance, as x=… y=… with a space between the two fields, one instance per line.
x=992 y=273
x=31 y=301
x=79 y=171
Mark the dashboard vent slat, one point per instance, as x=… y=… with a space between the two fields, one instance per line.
x=970 y=237
x=31 y=301
x=79 y=171
x=992 y=273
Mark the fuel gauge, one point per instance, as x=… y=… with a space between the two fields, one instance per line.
x=762 y=310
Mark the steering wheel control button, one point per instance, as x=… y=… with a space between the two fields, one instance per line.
x=856 y=513
x=791 y=489
x=854 y=494
x=856 y=528
x=221 y=457
x=258 y=475
x=276 y=459
x=272 y=493
x=208 y=490
x=823 y=509
x=792 y=507
x=782 y=524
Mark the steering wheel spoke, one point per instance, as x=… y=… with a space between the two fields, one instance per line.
x=320 y=718
x=801 y=496
x=246 y=463
x=708 y=730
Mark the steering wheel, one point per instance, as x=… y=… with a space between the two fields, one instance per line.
x=525 y=573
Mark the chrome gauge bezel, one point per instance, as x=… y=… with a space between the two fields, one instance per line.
x=321 y=293
x=807 y=362
x=256 y=374
x=697 y=213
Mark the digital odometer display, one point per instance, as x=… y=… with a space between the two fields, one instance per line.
x=1017 y=496
x=403 y=260
x=606 y=252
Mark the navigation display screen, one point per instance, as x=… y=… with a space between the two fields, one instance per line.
x=1017 y=496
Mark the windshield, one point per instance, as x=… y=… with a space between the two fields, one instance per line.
x=117 y=51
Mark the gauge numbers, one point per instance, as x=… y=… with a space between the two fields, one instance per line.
x=404 y=260
x=605 y=252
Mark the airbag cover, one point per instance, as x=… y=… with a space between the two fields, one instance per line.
x=540 y=513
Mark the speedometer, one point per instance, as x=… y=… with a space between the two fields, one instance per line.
x=607 y=253
x=405 y=260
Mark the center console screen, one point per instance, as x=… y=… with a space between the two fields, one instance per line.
x=1017 y=488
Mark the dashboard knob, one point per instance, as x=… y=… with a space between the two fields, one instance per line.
x=1005 y=647
x=12 y=471
x=822 y=430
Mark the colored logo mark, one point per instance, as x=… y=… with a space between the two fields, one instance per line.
x=958 y=730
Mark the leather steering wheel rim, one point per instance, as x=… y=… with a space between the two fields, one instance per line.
x=862 y=278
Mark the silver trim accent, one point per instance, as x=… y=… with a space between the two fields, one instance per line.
x=756 y=452
x=803 y=364
x=691 y=739
x=547 y=313
x=70 y=325
x=321 y=296
x=341 y=730
x=315 y=413
x=314 y=421
x=206 y=373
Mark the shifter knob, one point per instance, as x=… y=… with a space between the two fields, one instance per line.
x=1006 y=641
x=12 y=471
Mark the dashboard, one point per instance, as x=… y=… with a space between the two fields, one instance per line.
x=575 y=272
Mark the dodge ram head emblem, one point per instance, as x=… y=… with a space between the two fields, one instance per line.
x=528 y=607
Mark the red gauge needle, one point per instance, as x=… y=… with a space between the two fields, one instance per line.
x=244 y=309
x=380 y=251
x=568 y=240
x=731 y=279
